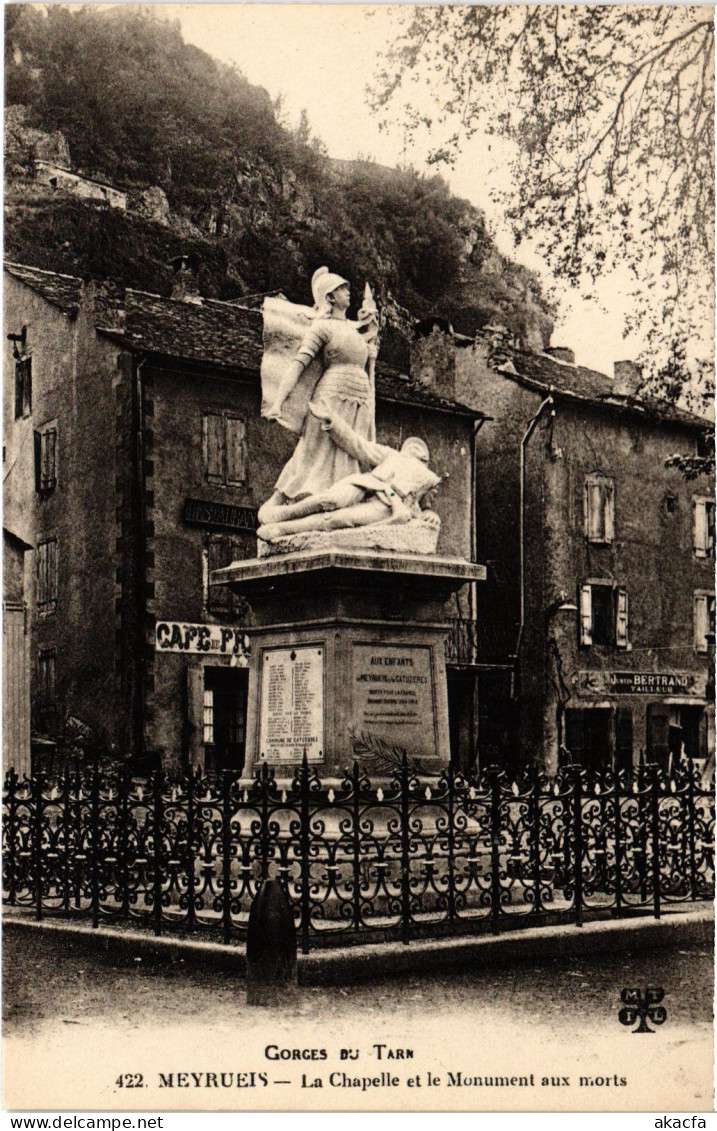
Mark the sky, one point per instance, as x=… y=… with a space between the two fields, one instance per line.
x=321 y=57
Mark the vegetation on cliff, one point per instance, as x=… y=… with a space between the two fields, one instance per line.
x=262 y=205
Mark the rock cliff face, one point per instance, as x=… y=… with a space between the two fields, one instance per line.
x=24 y=145
x=212 y=172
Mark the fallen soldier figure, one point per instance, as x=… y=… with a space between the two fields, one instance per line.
x=390 y=492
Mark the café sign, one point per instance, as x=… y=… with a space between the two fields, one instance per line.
x=640 y=683
x=205 y=639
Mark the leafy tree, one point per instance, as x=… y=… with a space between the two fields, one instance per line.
x=610 y=111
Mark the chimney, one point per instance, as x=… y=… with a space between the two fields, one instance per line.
x=561 y=353
x=627 y=381
x=185 y=282
x=433 y=356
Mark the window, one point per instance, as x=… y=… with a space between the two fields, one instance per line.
x=703 y=527
x=222 y=550
x=208 y=717
x=46 y=459
x=47 y=576
x=46 y=676
x=704 y=618
x=599 y=507
x=604 y=615
x=224 y=449
x=23 y=386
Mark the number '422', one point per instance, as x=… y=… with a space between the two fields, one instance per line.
x=130 y=1080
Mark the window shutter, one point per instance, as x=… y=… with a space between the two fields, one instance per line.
x=214 y=443
x=658 y=732
x=219 y=597
x=609 y=511
x=588 y=510
x=621 y=619
x=700 y=623
x=586 y=614
x=38 y=461
x=49 y=470
x=623 y=738
x=236 y=450
x=699 y=527
x=704 y=618
x=195 y=713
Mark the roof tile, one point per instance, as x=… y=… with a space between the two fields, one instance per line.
x=62 y=291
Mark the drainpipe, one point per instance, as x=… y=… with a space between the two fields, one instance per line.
x=477 y=425
x=140 y=551
x=523 y=446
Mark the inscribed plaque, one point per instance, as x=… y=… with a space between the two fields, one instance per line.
x=292 y=705
x=393 y=695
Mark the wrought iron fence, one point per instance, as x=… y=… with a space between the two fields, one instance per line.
x=404 y=858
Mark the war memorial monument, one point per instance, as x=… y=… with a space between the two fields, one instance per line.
x=348 y=593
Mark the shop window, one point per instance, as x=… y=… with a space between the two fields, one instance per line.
x=46 y=459
x=703 y=527
x=208 y=717
x=604 y=615
x=224 y=449
x=47 y=576
x=225 y=701
x=220 y=551
x=587 y=736
x=23 y=386
x=704 y=621
x=599 y=509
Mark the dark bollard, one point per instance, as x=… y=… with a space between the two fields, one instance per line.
x=270 y=946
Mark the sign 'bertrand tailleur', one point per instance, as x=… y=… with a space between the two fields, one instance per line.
x=640 y=683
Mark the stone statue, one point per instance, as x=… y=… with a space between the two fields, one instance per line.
x=333 y=362
x=386 y=490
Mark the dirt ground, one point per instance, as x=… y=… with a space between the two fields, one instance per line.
x=48 y=981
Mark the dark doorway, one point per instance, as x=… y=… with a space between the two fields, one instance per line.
x=587 y=737
x=225 y=697
x=688 y=732
x=461 y=718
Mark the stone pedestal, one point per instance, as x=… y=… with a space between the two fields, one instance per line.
x=348 y=658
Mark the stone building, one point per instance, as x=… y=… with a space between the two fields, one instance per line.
x=135 y=461
x=596 y=621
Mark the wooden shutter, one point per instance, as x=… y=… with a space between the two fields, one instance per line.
x=621 y=625
x=214 y=447
x=236 y=450
x=219 y=597
x=589 y=510
x=699 y=527
x=623 y=737
x=48 y=473
x=599 y=507
x=586 y=614
x=38 y=461
x=608 y=511
x=658 y=732
x=195 y=694
x=701 y=622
